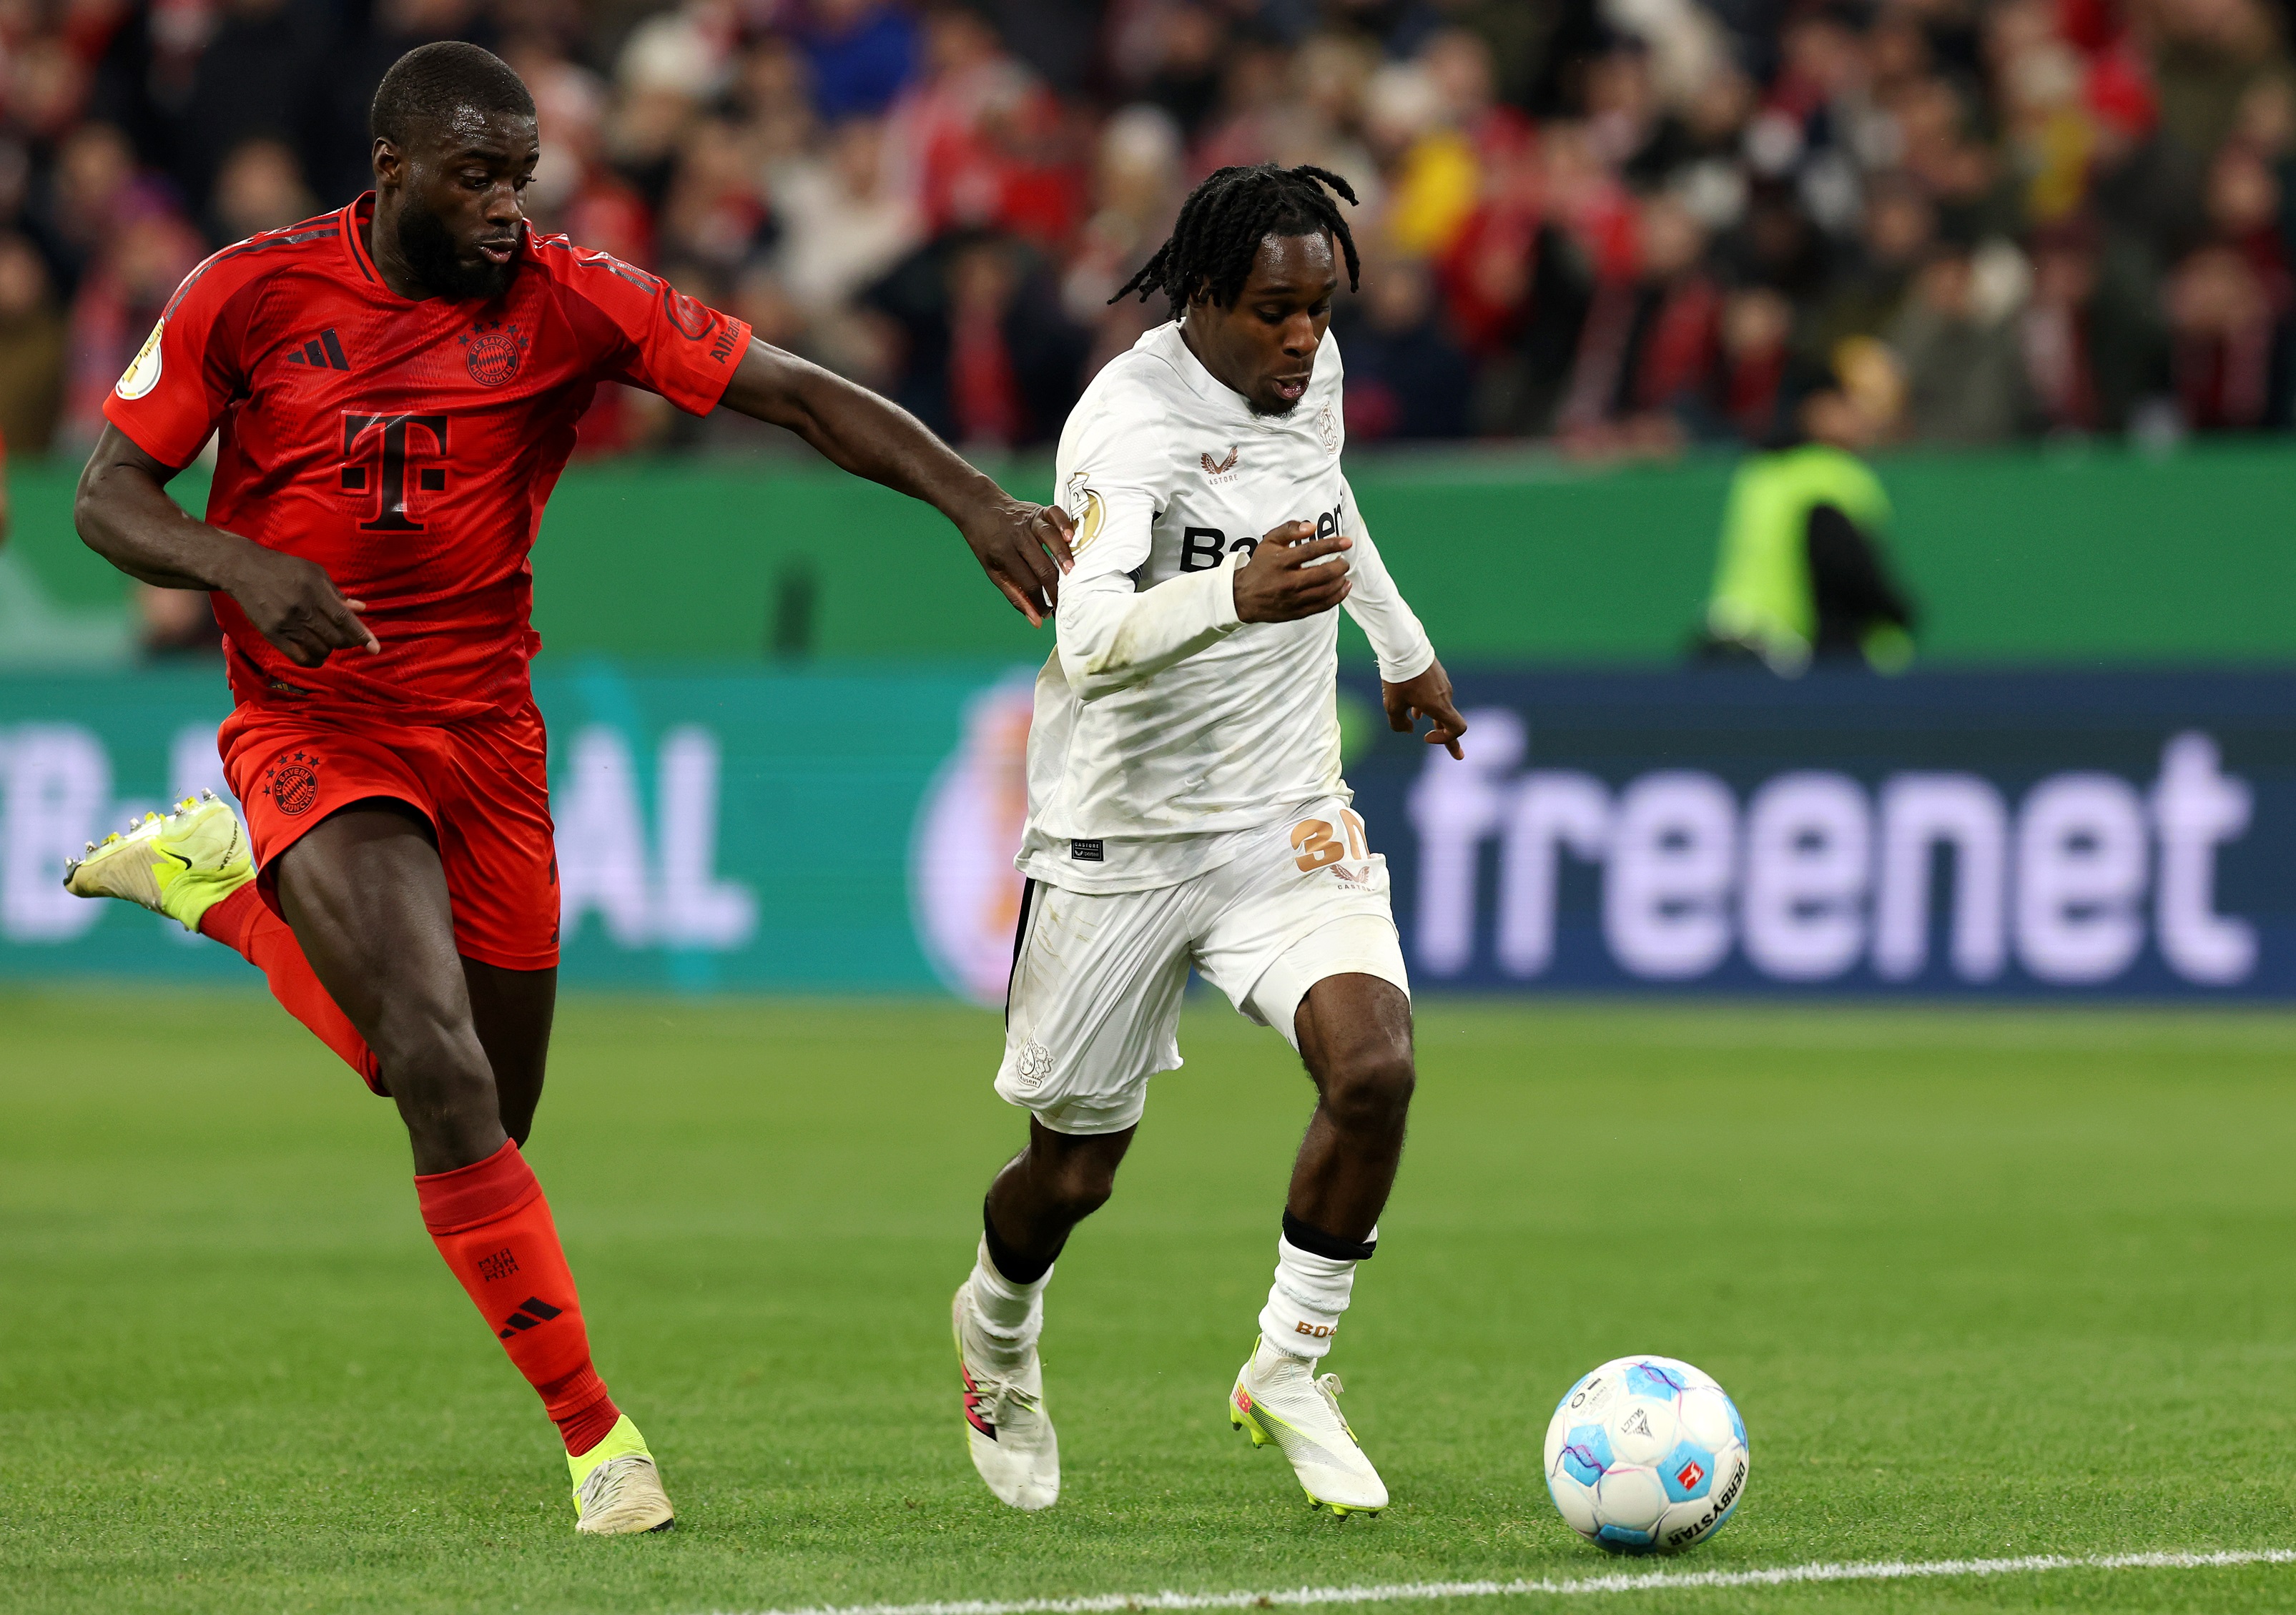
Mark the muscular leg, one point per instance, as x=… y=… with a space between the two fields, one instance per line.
x=1355 y=1035
x=512 y=1009
x=366 y=897
x=1049 y=1188
x=1043 y=1192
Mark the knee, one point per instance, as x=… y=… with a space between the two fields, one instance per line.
x=1369 y=1088
x=1082 y=1189
x=433 y=1056
x=1079 y=1184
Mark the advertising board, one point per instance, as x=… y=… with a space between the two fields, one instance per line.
x=2025 y=834
x=1947 y=834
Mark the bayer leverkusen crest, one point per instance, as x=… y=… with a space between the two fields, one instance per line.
x=492 y=353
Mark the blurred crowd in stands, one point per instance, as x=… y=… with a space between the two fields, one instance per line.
x=1629 y=226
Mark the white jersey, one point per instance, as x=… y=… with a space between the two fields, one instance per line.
x=1163 y=725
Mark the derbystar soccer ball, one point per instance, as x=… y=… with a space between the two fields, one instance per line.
x=1646 y=1455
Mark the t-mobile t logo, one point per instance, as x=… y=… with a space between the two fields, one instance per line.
x=376 y=452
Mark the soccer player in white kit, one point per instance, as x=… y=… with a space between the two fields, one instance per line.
x=1186 y=808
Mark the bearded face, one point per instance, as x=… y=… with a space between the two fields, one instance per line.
x=438 y=260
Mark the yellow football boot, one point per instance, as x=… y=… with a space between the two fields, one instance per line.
x=179 y=865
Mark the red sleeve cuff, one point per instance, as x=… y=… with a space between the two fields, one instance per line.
x=700 y=388
x=150 y=435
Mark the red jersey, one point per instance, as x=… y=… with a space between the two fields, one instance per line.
x=405 y=446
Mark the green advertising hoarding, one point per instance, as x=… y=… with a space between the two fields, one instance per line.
x=715 y=832
x=2111 y=834
x=2064 y=556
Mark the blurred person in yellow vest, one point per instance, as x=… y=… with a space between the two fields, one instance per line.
x=1801 y=578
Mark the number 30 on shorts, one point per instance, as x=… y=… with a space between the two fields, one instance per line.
x=1317 y=844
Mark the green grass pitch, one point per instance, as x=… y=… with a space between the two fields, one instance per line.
x=1985 y=1284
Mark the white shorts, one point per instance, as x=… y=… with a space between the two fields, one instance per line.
x=1092 y=1009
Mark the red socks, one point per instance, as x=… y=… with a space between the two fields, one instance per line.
x=244 y=923
x=492 y=1227
x=488 y=1219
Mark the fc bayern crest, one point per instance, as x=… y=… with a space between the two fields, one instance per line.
x=293 y=782
x=492 y=353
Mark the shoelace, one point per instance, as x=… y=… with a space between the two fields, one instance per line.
x=1329 y=1388
x=996 y=1395
x=602 y=1488
x=994 y=1390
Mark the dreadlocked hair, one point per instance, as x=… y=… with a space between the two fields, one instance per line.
x=1224 y=220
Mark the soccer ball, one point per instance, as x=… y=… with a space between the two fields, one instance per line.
x=1646 y=1455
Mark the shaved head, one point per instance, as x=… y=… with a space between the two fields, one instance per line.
x=437 y=84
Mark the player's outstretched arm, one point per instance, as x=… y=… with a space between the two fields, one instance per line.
x=1426 y=695
x=124 y=514
x=1412 y=683
x=1023 y=547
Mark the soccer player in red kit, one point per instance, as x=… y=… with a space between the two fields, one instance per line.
x=395 y=387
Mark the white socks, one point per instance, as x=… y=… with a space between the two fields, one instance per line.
x=1303 y=1309
x=1305 y=1302
x=1012 y=1315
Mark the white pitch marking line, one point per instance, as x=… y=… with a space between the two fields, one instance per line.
x=1646 y=1581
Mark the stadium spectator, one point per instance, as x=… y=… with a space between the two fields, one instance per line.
x=2092 y=348
x=988 y=358
x=861 y=52
x=1964 y=375
x=845 y=221
x=259 y=187
x=1648 y=365
x=1756 y=335
x=1868 y=290
x=1138 y=183
x=2117 y=174
x=1185 y=83
x=1407 y=379
x=263 y=74
x=118 y=303
x=31 y=350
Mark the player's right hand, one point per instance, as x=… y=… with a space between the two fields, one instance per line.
x=1281 y=582
x=297 y=607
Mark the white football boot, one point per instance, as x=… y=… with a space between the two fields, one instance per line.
x=1279 y=1400
x=617 y=1486
x=1005 y=1424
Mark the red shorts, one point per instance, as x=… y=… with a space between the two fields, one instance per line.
x=480 y=782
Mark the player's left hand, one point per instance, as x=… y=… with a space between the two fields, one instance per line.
x=1428 y=696
x=1024 y=549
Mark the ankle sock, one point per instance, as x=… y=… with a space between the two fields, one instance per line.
x=1012 y=1314
x=1311 y=1289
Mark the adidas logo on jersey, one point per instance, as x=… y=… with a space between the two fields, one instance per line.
x=323 y=351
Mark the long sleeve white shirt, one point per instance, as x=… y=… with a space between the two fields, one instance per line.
x=1163 y=723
